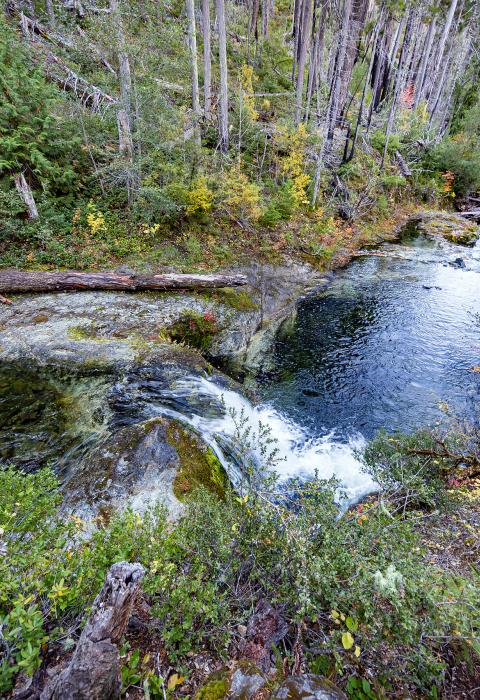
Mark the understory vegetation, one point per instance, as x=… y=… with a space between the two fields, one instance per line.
x=118 y=143
x=382 y=598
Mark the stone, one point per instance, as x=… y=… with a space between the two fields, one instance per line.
x=309 y=687
x=245 y=682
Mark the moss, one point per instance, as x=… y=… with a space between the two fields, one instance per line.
x=82 y=332
x=213 y=690
x=40 y=318
x=238 y=299
x=199 y=466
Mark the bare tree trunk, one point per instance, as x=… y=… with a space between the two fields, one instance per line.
x=25 y=192
x=124 y=72
x=399 y=80
x=305 y=36
x=94 y=669
x=17 y=281
x=125 y=143
x=223 y=97
x=316 y=57
x=366 y=84
x=192 y=45
x=332 y=111
x=50 y=11
x=356 y=24
x=207 y=60
x=420 y=81
x=297 y=14
x=439 y=55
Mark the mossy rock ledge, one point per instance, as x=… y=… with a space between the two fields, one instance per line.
x=450 y=226
x=247 y=682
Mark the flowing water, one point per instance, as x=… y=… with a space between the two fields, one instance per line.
x=388 y=344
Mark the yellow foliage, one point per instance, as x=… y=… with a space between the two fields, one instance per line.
x=247 y=78
x=95 y=220
x=293 y=164
x=199 y=197
x=241 y=195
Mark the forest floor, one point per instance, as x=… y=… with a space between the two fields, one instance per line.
x=217 y=243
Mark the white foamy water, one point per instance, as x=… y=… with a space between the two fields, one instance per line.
x=299 y=455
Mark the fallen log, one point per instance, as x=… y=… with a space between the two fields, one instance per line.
x=474 y=214
x=16 y=281
x=94 y=669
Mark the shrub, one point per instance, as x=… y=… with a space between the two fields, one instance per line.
x=195 y=329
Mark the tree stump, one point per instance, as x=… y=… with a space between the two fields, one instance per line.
x=94 y=669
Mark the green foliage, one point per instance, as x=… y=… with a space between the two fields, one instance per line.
x=195 y=329
x=460 y=155
x=404 y=465
x=32 y=139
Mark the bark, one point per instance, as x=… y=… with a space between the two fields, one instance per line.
x=420 y=80
x=207 y=60
x=124 y=72
x=332 y=111
x=365 y=86
x=440 y=52
x=356 y=25
x=306 y=32
x=25 y=192
x=94 y=669
x=50 y=11
x=316 y=57
x=192 y=45
x=125 y=142
x=297 y=14
x=223 y=97
x=16 y=281
x=399 y=80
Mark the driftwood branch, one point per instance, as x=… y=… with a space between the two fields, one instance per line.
x=15 y=281
x=94 y=669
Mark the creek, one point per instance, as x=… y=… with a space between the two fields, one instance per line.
x=389 y=344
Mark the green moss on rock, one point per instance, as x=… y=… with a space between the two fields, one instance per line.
x=198 y=466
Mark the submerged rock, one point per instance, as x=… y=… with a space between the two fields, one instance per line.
x=309 y=687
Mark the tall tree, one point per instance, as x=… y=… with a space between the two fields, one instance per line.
x=192 y=45
x=333 y=104
x=304 y=44
x=223 y=92
x=207 y=60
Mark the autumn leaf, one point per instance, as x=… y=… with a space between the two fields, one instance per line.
x=347 y=640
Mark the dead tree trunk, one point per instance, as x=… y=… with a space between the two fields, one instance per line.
x=420 y=81
x=25 y=192
x=94 y=669
x=223 y=97
x=17 y=281
x=436 y=84
x=207 y=60
x=192 y=45
x=305 y=36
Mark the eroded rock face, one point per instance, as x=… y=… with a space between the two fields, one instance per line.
x=309 y=687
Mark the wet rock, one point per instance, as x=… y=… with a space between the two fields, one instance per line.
x=458 y=262
x=309 y=687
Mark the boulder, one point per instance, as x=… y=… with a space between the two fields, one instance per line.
x=309 y=687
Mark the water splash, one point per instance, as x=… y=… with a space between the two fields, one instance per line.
x=208 y=408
